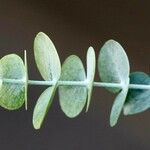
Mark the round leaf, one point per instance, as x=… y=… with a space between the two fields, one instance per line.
x=138 y=100
x=72 y=97
x=42 y=106
x=46 y=57
x=113 y=64
x=12 y=94
x=90 y=73
x=118 y=105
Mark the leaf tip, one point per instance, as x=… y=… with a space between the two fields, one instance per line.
x=113 y=122
x=111 y=41
x=87 y=108
x=40 y=34
x=126 y=110
x=36 y=126
x=91 y=48
x=37 y=123
x=88 y=103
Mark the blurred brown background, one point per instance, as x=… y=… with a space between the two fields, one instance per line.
x=74 y=25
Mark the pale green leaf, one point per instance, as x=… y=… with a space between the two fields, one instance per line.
x=138 y=100
x=91 y=64
x=113 y=64
x=72 y=97
x=42 y=106
x=46 y=57
x=118 y=105
x=12 y=94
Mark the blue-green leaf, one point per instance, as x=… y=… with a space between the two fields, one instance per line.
x=138 y=100
x=72 y=97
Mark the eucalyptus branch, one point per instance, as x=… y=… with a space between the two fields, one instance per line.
x=75 y=85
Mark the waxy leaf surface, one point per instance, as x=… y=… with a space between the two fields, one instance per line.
x=72 y=97
x=46 y=57
x=12 y=94
x=138 y=100
x=42 y=106
x=113 y=64
x=118 y=105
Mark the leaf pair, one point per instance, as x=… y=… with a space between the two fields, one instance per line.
x=113 y=66
x=48 y=63
x=72 y=98
x=12 y=95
